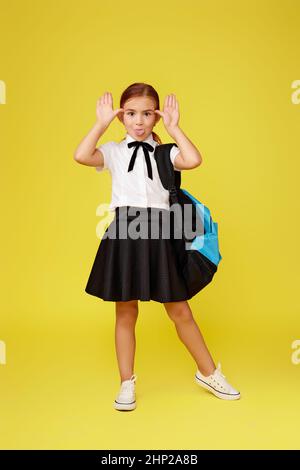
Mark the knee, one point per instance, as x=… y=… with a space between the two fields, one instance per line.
x=178 y=311
x=127 y=312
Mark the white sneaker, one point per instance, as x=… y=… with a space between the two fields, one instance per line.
x=217 y=384
x=125 y=400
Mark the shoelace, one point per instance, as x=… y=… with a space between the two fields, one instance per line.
x=218 y=377
x=128 y=384
x=219 y=371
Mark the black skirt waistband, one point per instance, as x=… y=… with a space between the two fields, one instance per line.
x=143 y=213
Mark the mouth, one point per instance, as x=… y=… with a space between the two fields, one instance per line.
x=139 y=131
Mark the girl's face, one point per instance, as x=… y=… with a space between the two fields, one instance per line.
x=139 y=117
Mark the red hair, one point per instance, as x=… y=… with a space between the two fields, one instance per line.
x=141 y=89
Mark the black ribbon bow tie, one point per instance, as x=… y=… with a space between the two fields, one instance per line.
x=146 y=148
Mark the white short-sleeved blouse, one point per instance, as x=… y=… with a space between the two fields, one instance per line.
x=134 y=188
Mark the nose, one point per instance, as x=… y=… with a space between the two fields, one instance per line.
x=139 y=120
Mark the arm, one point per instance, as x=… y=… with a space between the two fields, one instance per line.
x=86 y=153
x=189 y=157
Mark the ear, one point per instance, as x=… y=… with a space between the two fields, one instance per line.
x=120 y=116
x=157 y=118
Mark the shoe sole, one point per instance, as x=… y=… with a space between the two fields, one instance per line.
x=222 y=396
x=124 y=406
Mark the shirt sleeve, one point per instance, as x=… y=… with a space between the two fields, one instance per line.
x=106 y=150
x=174 y=151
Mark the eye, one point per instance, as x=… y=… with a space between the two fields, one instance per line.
x=131 y=112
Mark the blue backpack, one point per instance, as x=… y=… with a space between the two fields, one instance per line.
x=199 y=256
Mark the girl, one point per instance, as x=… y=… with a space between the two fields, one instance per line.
x=128 y=269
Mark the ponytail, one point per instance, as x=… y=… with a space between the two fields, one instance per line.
x=156 y=138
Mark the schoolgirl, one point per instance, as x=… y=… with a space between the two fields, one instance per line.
x=128 y=269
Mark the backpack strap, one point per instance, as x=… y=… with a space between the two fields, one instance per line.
x=170 y=178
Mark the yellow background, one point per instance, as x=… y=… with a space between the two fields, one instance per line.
x=231 y=65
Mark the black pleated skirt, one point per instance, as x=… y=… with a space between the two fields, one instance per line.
x=147 y=267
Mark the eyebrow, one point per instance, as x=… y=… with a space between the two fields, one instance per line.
x=134 y=109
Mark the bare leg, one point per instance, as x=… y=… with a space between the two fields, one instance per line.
x=126 y=317
x=189 y=333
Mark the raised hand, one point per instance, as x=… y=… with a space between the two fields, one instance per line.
x=170 y=113
x=104 y=111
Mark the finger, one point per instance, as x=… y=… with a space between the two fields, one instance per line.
x=175 y=102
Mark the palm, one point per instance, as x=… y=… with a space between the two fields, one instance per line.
x=104 y=111
x=170 y=113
